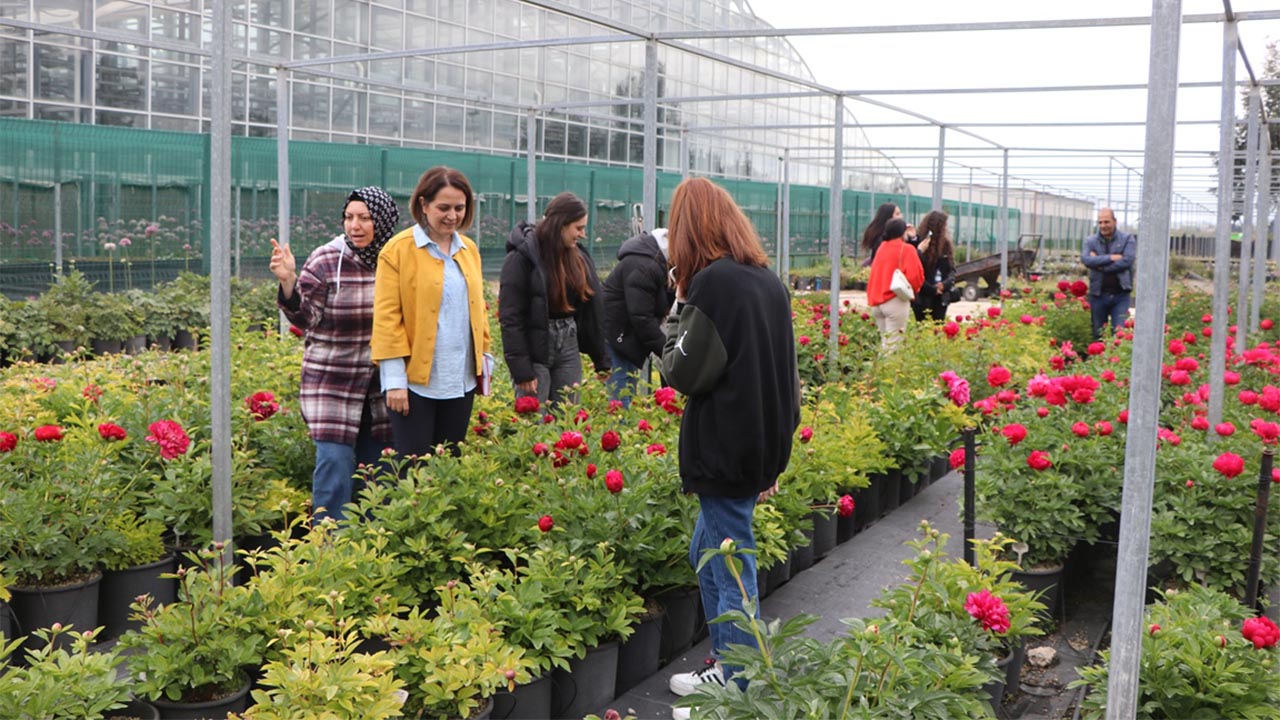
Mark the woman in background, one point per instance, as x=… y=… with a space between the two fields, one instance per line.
x=874 y=234
x=889 y=310
x=331 y=300
x=731 y=349
x=938 y=262
x=550 y=304
x=636 y=299
x=430 y=332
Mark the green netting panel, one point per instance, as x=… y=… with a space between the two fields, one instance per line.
x=149 y=187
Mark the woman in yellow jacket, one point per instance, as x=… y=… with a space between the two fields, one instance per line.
x=430 y=332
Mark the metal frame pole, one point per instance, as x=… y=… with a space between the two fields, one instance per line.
x=684 y=153
x=786 y=215
x=937 y=179
x=1246 y=237
x=282 y=158
x=650 y=134
x=220 y=274
x=531 y=165
x=834 y=225
x=1004 y=222
x=1260 y=228
x=1144 y=392
x=1222 y=234
x=57 y=225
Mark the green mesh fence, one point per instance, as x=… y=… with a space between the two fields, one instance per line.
x=138 y=200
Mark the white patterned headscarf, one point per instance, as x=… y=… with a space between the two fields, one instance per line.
x=386 y=217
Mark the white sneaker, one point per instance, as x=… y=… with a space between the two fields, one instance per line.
x=687 y=683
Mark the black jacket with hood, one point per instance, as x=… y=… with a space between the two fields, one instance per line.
x=524 y=314
x=636 y=299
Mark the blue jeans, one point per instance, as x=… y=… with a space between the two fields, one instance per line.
x=1113 y=307
x=720 y=518
x=624 y=377
x=333 y=483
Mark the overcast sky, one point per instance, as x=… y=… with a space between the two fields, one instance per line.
x=1088 y=56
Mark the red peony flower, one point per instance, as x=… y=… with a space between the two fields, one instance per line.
x=845 y=506
x=262 y=405
x=644 y=426
x=1200 y=422
x=581 y=416
x=1108 y=376
x=48 y=433
x=1097 y=348
x=1079 y=288
x=1266 y=324
x=1103 y=428
x=1014 y=433
x=1080 y=429
x=1248 y=397
x=1261 y=632
x=989 y=610
x=806 y=434
x=656 y=449
x=591 y=470
x=1039 y=460
x=1124 y=416
x=615 y=406
x=1229 y=464
x=613 y=481
x=8 y=441
x=1176 y=347
x=1155 y=628
x=527 y=404
x=540 y=449
x=803 y=340
x=1179 y=377
x=957 y=459
x=1225 y=429
x=993 y=312
x=171 y=438
x=545 y=523
x=570 y=440
x=111 y=431
x=998 y=375
x=610 y=441
x=92 y=393
x=1064 y=286
x=1230 y=377
x=951 y=329
x=1042 y=411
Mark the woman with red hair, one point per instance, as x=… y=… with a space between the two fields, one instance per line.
x=731 y=349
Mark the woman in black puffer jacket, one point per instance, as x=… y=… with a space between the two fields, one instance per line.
x=636 y=299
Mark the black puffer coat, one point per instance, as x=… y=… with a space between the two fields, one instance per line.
x=636 y=299
x=523 y=310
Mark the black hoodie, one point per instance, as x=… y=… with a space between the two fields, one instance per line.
x=636 y=299
x=523 y=310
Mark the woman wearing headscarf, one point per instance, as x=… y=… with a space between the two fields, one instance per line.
x=331 y=301
x=550 y=303
x=430 y=332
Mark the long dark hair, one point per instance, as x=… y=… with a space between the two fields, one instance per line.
x=874 y=233
x=940 y=246
x=564 y=267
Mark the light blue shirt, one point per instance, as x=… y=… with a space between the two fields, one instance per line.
x=453 y=365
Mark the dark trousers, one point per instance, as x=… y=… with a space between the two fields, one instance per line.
x=1108 y=307
x=431 y=423
x=930 y=307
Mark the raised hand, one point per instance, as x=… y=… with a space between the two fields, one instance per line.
x=284 y=267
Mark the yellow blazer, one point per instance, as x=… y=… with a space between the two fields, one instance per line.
x=406 y=304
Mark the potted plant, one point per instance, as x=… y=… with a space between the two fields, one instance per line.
x=113 y=318
x=135 y=563
x=1203 y=655
x=64 y=680
x=65 y=306
x=453 y=659
x=192 y=654
x=319 y=672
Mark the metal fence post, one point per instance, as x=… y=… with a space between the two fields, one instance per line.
x=1246 y=237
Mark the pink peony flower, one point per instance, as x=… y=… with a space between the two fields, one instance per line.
x=989 y=610
x=806 y=434
x=845 y=506
x=998 y=375
x=957 y=459
x=1039 y=460
x=1014 y=433
x=1229 y=464
x=1261 y=632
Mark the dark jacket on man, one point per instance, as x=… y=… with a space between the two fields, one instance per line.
x=524 y=313
x=1103 y=271
x=636 y=299
x=732 y=352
